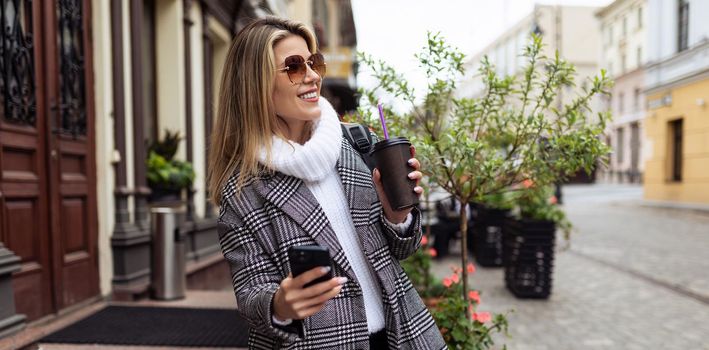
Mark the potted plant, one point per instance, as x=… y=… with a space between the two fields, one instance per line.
x=488 y=217
x=473 y=147
x=167 y=177
x=530 y=241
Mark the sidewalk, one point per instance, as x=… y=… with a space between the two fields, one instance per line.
x=634 y=277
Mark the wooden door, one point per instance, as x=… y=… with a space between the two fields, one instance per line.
x=71 y=164
x=24 y=223
x=47 y=168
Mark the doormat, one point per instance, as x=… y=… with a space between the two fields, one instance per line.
x=157 y=326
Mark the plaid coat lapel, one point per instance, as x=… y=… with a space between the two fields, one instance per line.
x=359 y=190
x=292 y=196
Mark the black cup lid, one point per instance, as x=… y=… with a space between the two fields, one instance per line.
x=392 y=141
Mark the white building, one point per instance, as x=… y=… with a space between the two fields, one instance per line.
x=563 y=28
x=623 y=26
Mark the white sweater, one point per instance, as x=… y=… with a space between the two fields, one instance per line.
x=315 y=163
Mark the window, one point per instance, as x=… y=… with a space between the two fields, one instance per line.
x=683 y=23
x=619 y=146
x=623 y=65
x=639 y=57
x=640 y=17
x=675 y=150
x=625 y=26
x=636 y=99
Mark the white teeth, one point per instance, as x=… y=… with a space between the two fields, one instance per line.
x=308 y=95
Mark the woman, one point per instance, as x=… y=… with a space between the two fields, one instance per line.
x=284 y=176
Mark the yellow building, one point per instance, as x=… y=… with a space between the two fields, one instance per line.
x=677 y=94
x=678 y=125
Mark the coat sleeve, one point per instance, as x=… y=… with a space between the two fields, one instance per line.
x=402 y=244
x=255 y=276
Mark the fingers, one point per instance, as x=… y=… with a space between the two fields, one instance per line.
x=310 y=275
x=413 y=151
x=418 y=190
x=377 y=179
x=323 y=287
x=414 y=163
x=376 y=176
x=319 y=299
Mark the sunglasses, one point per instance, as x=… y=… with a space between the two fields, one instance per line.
x=297 y=67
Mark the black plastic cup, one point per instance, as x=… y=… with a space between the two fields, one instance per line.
x=391 y=158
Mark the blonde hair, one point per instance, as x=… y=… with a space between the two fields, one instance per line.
x=246 y=118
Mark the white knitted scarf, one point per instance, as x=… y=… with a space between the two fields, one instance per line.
x=315 y=159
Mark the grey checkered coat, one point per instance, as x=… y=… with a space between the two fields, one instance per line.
x=272 y=213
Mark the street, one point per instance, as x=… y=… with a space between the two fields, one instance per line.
x=633 y=277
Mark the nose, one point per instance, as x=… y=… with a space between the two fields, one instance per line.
x=311 y=76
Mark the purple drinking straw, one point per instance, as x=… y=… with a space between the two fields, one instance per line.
x=381 y=119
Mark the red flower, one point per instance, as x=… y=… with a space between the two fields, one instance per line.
x=455 y=269
x=447 y=282
x=474 y=295
x=455 y=278
x=553 y=200
x=424 y=240
x=432 y=252
x=471 y=268
x=527 y=183
x=482 y=317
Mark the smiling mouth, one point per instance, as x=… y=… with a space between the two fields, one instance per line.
x=308 y=96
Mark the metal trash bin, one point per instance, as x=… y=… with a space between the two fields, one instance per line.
x=168 y=277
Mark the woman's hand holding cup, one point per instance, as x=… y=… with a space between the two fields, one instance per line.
x=391 y=214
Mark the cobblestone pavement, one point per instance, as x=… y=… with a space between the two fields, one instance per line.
x=634 y=278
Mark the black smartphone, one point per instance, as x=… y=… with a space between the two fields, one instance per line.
x=307 y=257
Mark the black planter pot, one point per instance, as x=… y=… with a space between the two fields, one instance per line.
x=443 y=231
x=165 y=195
x=485 y=234
x=528 y=256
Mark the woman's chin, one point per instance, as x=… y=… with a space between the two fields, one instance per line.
x=312 y=113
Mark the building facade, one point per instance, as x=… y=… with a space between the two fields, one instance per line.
x=86 y=86
x=623 y=26
x=677 y=90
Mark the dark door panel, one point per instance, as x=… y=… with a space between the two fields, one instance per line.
x=47 y=167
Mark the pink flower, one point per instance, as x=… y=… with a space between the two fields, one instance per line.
x=447 y=282
x=553 y=200
x=471 y=268
x=432 y=252
x=474 y=295
x=482 y=317
x=527 y=183
x=424 y=240
x=455 y=278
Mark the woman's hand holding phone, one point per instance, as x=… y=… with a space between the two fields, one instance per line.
x=294 y=301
